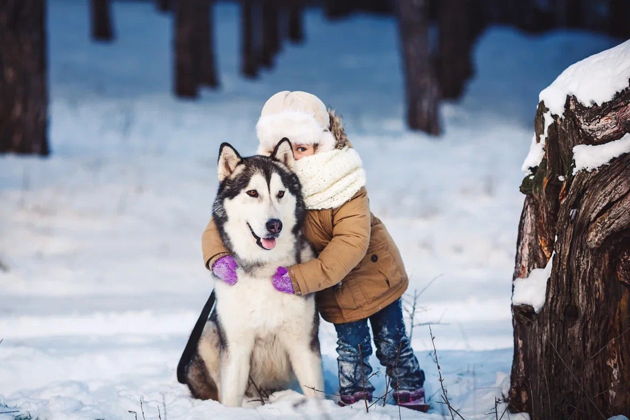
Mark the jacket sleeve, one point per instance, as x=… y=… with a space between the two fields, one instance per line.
x=348 y=246
x=212 y=245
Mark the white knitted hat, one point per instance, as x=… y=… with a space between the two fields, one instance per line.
x=299 y=116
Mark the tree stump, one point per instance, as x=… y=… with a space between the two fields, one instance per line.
x=572 y=358
x=23 y=82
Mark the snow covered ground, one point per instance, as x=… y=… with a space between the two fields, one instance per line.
x=100 y=267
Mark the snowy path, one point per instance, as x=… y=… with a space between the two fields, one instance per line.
x=101 y=276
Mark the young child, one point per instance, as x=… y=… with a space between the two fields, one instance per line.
x=358 y=275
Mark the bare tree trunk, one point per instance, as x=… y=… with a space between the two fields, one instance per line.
x=569 y=13
x=194 y=47
x=249 y=52
x=296 y=30
x=205 y=44
x=101 y=18
x=455 y=45
x=186 y=70
x=421 y=86
x=336 y=9
x=619 y=18
x=23 y=83
x=164 y=5
x=271 y=33
x=571 y=359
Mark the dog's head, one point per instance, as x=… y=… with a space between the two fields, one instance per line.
x=259 y=207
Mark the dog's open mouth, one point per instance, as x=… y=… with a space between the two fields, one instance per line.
x=264 y=243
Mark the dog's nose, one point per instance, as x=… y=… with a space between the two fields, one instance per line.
x=274 y=226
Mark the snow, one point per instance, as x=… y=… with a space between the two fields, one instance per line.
x=592 y=81
x=537 y=147
x=590 y=157
x=103 y=277
x=535 y=155
x=532 y=289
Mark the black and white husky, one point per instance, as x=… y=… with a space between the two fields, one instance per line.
x=253 y=339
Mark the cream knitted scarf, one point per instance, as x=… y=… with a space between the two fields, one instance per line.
x=331 y=178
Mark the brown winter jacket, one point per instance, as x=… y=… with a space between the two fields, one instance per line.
x=358 y=270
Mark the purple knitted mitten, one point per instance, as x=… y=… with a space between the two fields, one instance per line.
x=225 y=269
x=282 y=281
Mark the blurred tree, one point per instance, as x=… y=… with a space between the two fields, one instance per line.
x=100 y=12
x=454 y=47
x=421 y=85
x=205 y=44
x=296 y=30
x=569 y=13
x=164 y=5
x=249 y=52
x=620 y=18
x=336 y=9
x=23 y=81
x=270 y=32
x=194 y=50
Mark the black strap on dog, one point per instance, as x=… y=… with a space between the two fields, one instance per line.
x=191 y=347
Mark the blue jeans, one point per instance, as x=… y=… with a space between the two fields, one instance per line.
x=393 y=350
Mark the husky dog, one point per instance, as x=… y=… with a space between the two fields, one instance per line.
x=255 y=340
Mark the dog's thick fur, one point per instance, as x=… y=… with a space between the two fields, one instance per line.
x=257 y=339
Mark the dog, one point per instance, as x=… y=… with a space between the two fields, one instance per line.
x=252 y=340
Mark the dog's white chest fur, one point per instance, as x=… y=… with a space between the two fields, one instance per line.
x=254 y=306
x=262 y=337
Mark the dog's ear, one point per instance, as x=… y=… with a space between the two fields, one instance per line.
x=284 y=153
x=228 y=160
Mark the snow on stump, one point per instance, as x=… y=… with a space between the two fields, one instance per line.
x=571 y=300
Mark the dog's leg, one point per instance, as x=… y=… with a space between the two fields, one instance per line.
x=307 y=365
x=235 y=369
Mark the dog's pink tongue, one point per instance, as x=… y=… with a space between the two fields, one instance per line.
x=268 y=243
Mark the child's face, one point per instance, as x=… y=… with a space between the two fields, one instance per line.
x=301 y=150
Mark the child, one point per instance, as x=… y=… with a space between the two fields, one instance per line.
x=358 y=275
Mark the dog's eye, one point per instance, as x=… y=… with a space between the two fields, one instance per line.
x=280 y=194
x=252 y=193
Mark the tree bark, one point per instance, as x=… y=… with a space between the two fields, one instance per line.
x=249 y=50
x=571 y=360
x=100 y=12
x=421 y=85
x=455 y=47
x=23 y=82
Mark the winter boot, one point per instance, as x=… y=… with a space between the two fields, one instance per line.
x=412 y=399
x=350 y=399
